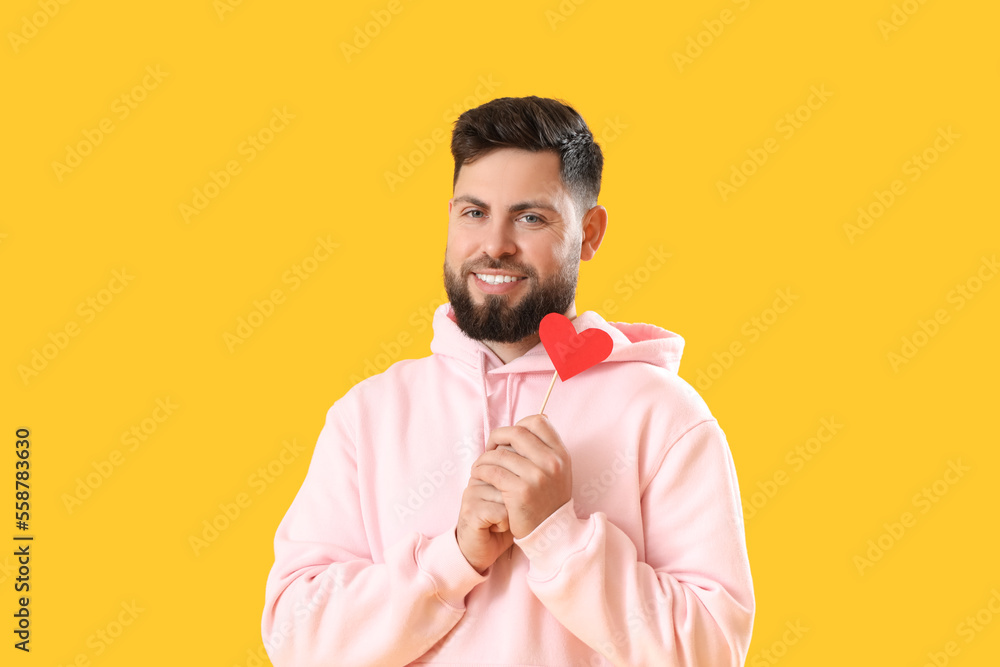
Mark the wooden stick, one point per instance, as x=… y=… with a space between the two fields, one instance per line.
x=551 y=384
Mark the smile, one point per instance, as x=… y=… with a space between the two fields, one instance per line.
x=491 y=279
x=488 y=283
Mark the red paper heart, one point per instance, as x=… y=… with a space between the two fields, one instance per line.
x=571 y=352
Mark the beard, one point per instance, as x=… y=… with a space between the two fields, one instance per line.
x=495 y=320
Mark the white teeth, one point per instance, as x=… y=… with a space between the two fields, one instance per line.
x=494 y=280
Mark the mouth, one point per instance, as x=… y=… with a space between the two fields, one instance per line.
x=497 y=283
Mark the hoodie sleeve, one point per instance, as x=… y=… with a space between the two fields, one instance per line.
x=690 y=601
x=327 y=600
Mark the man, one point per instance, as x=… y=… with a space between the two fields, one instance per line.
x=443 y=521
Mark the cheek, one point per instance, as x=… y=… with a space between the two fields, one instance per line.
x=461 y=244
x=549 y=256
x=456 y=256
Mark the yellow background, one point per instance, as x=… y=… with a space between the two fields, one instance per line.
x=671 y=131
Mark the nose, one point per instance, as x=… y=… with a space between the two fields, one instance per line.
x=498 y=239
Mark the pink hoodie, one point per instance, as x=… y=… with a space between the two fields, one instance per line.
x=645 y=566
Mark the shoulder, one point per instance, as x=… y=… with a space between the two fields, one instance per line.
x=661 y=391
x=394 y=383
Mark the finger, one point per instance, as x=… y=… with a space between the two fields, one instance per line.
x=501 y=527
x=522 y=440
x=489 y=514
x=487 y=492
x=507 y=459
x=555 y=457
x=498 y=476
x=498 y=436
x=541 y=426
x=517 y=437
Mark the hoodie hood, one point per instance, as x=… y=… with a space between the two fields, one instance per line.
x=647 y=343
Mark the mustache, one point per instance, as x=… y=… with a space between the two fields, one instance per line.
x=497 y=265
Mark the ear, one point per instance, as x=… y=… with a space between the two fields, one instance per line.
x=595 y=222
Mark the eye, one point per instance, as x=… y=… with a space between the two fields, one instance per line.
x=470 y=213
x=532 y=219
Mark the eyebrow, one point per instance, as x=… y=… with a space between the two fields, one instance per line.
x=513 y=208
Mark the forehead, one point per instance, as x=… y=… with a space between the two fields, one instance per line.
x=512 y=174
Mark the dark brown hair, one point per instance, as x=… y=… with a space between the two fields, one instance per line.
x=533 y=124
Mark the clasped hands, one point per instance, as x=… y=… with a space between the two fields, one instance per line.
x=524 y=475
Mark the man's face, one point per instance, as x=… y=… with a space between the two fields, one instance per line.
x=511 y=216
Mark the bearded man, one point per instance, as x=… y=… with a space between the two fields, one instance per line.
x=619 y=509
